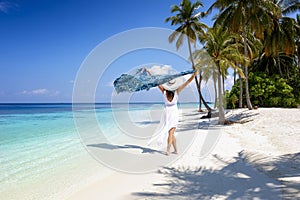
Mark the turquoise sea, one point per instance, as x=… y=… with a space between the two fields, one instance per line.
x=41 y=155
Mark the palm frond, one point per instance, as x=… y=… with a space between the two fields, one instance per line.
x=290 y=6
x=174 y=35
x=175 y=8
x=179 y=41
x=188 y=20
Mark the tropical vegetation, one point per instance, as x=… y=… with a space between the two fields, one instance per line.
x=189 y=27
x=257 y=40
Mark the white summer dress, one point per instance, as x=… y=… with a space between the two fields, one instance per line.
x=169 y=119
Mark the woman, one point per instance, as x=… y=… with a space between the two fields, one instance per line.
x=171 y=115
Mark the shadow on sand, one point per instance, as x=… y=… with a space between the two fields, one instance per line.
x=147 y=122
x=126 y=146
x=285 y=168
x=236 y=180
x=196 y=122
x=242 y=117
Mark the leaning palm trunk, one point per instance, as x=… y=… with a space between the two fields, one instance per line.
x=198 y=85
x=279 y=67
x=247 y=89
x=201 y=99
x=221 y=109
x=204 y=102
x=246 y=72
x=198 y=82
x=196 y=79
x=216 y=93
x=234 y=77
x=223 y=81
x=299 y=63
x=241 y=92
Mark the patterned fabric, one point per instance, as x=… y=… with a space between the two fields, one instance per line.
x=141 y=80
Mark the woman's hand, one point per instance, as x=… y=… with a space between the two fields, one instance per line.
x=196 y=72
x=187 y=82
x=148 y=71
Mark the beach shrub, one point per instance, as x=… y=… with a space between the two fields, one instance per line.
x=232 y=97
x=294 y=82
x=265 y=91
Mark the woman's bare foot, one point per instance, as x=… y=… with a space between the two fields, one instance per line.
x=167 y=153
x=175 y=152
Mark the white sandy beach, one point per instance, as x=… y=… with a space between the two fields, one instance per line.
x=258 y=158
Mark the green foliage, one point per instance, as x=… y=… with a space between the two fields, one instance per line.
x=232 y=97
x=268 y=91
x=294 y=82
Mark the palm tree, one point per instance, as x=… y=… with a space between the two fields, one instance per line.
x=288 y=6
x=221 y=45
x=281 y=40
x=254 y=47
x=269 y=64
x=189 y=26
x=204 y=63
x=242 y=16
x=280 y=43
x=297 y=37
x=292 y=26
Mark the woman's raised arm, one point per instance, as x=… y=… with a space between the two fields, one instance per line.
x=187 y=82
x=160 y=86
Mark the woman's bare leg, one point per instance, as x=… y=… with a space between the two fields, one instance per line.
x=170 y=140
x=174 y=144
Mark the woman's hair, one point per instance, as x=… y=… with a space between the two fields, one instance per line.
x=170 y=93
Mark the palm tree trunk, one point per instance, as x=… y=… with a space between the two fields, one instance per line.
x=201 y=97
x=198 y=83
x=216 y=93
x=223 y=81
x=221 y=109
x=298 y=55
x=241 y=92
x=279 y=67
x=205 y=104
x=199 y=91
x=234 y=77
x=246 y=72
x=299 y=66
x=299 y=62
x=193 y=66
x=247 y=90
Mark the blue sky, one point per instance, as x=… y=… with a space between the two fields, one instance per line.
x=43 y=43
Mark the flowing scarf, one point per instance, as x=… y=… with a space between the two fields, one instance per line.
x=141 y=80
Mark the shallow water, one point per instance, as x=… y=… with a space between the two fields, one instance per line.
x=41 y=154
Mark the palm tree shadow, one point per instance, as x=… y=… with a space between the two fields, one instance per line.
x=242 y=117
x=204 y=124
x=284 y=168
x=236 y=180
x=147 y=122
x=126 y=146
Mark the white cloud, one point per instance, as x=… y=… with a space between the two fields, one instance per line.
x=229 y=82
x=6 y=6
x=165 y=69
x=41 y=91
x=35 y=92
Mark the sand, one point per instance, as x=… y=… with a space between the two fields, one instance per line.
x=256 y=158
